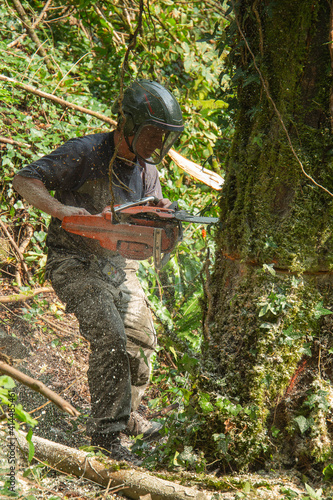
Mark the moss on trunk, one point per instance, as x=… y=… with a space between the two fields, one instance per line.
x=273 y=281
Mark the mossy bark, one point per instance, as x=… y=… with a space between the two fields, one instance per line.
x=270 y=333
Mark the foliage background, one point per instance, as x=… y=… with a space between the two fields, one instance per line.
x=84 y=46
x=183 y=45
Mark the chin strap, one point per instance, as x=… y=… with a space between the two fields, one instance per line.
x=129 y=145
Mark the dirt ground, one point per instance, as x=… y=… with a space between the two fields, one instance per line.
x=40 y=339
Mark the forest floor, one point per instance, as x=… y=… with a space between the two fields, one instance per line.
x=40 y=339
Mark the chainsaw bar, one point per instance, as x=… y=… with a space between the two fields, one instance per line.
x=183 y=216
x=153 y=213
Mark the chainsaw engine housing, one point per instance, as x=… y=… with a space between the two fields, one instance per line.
x=138 y=233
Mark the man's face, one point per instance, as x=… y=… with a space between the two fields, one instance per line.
x=150 y=140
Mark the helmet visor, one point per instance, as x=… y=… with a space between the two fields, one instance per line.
x=152 y=143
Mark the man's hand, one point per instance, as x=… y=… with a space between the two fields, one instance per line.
x=34 y=191
x=65 y=211
x=163 y=203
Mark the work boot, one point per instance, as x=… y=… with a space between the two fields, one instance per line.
x=111 y=446
x=137 y=425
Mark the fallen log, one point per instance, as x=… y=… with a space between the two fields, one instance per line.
x=133 y=483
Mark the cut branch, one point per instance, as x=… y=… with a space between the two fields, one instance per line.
x=38 y=386
x=132 y=482
x=204 y=175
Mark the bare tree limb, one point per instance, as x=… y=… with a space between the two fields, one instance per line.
x=38 y=386
x=29 y=231
x=22 y=297
x=16 y=248
x=33 y=35
x=58 y=100
x=163 y=411
x=133 y=482
x=6 y=140
x=34 y=25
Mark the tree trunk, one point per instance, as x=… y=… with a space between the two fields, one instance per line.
x=273 y=280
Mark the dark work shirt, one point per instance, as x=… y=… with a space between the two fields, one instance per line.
x=78 y=172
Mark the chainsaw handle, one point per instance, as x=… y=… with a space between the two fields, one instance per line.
x=147 y=199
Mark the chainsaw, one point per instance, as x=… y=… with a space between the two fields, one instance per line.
x=135 y=230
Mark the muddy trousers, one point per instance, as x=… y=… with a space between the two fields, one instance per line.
x=118 y=324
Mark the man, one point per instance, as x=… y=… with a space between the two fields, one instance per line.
x=100 y=286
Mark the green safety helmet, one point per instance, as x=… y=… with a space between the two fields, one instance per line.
x=152 y=117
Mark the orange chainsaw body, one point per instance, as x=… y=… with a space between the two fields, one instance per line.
x=138 y=232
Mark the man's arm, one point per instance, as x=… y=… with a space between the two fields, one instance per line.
x=35 y=193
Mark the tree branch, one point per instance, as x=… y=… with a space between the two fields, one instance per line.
x=16 y=248
x=33 y=35
x=58 y=100
x=6 y=140
x=38 y=386
x=21 y=297
x=34 y=25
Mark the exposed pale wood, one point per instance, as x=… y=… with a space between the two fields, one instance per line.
x=204 y=175
x=38 y=386
x=134 y=483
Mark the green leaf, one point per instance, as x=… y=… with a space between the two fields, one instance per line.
x=172 y=349
x=206 y=407
x=205 y=403
x=24 y=416
x=270 y=267
x=263 y=310
x=143 y=356
x=328 y=472
x=315 y=495
x=7 y=382
x=31 y=445
x=247 y=488
x=321 y=311
x=302 y=423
